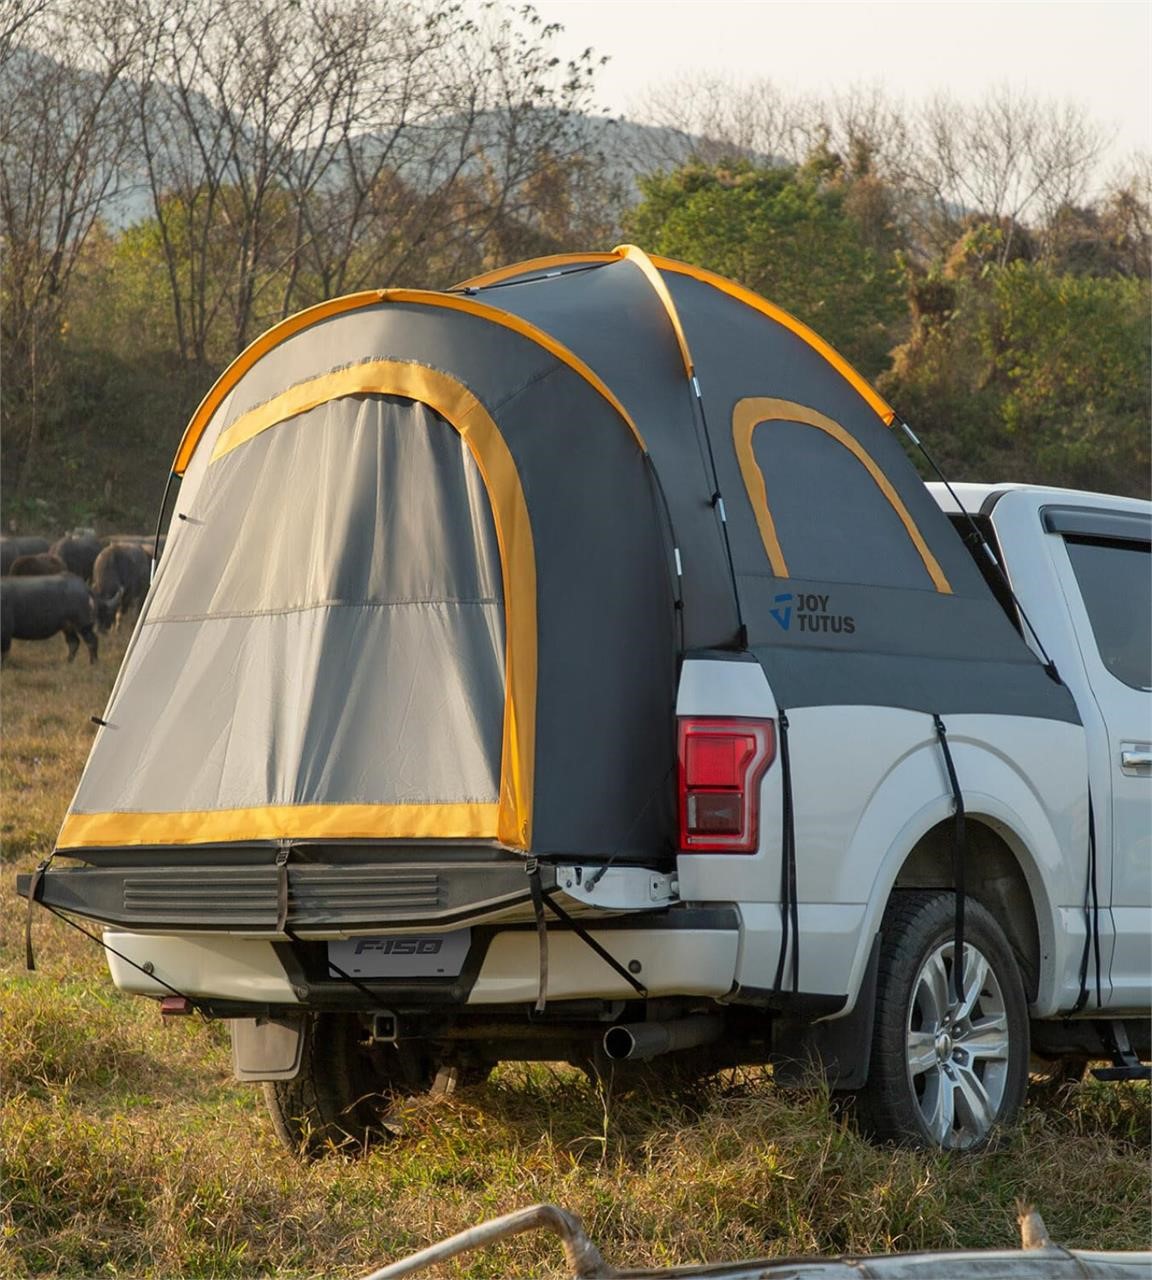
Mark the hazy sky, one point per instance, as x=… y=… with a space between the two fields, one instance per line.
x=1097 y=53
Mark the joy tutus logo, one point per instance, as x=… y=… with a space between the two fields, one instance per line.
x=810 y=613
x=783 y=615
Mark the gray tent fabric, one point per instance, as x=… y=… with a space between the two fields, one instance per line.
x=377 y=588
x=425 y=581
x=830 y=506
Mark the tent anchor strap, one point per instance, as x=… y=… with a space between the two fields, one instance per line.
x=789 y=897
x=191 y=1001
x=959 y=850
x=35 y=889
x=1091 y=920
x=977 y=537
x=532 y=867
x=541 y=899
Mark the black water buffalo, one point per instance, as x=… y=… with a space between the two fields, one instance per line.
x=37 y=566
x=36 y=608
x=79 y=552
x=120 y=581
x=12 y=547
x=143 y=539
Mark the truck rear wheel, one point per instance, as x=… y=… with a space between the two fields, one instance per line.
x=348 y=1089
x=944 y=1072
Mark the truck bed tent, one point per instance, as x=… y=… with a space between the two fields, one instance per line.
x=423 y=583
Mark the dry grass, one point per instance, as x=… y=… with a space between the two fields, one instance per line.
x=128 y=1149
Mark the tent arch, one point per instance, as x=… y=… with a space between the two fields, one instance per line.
x=509 y=821
x=750 y=413
x=457 y=405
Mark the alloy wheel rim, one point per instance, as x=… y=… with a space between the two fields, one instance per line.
x=957 y=1051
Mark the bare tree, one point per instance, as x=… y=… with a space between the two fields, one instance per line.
x=1111 y=235
x=63 y=133
x=296 y=152
x=17 y=20
x=448 y=136
x=225 y=90
x=710 y=120
x=373 y=187
x=1009 y=159
x=1128 y=215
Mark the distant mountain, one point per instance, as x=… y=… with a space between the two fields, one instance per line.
x=627 y=149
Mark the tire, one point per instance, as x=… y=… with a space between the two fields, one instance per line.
x=937 y=1079
x=346 y=1088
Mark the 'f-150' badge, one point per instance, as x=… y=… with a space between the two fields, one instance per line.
x=413 y=955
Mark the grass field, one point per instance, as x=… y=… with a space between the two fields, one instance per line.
x=127 y=1149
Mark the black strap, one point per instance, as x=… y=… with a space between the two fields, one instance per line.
x=1095 y=904
x=282 y=855
x=789 y=895
x=536 y=889
x=34 y=891
x=333 y=967
x=959 y=848
x=1090 y=928
x=981 y=541
x=585 y=937
x=100 y=942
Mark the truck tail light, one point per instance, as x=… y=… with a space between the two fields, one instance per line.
x=721 y=763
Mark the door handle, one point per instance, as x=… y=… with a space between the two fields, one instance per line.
x=1136 y=759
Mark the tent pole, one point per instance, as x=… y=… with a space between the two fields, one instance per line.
x=982 y=542
x=159 y=526
x=648 y=269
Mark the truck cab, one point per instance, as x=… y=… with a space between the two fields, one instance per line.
x=1079 y=567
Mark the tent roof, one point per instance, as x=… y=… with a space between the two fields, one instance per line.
x=554 y=263
x=651 y=265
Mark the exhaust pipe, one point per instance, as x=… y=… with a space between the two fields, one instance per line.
x=639 y=1041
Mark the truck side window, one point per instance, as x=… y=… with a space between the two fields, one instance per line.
x=1115 y=580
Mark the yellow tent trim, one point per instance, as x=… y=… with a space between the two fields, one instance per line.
x=745 y=419
x=454 y=402
x=750 y=413
x=248 y=357
x=354 y=302
x=798 y=327
x=282 y=822
x=630 y=253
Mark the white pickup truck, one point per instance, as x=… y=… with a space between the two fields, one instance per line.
x=1055 y=852
x=572 y=665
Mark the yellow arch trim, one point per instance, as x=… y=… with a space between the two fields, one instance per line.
x=454 y=402
x=248 y=357
x=798 y=327
x=354 y=302
x=750 y=413
x=282 y=822
x=630 y=253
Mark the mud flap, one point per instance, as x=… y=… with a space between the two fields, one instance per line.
x=838 y=1050
x=267 y=1048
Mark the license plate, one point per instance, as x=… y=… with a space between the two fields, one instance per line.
x=415 y=955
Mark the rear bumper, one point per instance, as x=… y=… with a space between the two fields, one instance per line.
x=682 y=952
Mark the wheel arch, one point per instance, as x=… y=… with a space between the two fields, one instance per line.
x=1013 y=855
x=994 y=876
